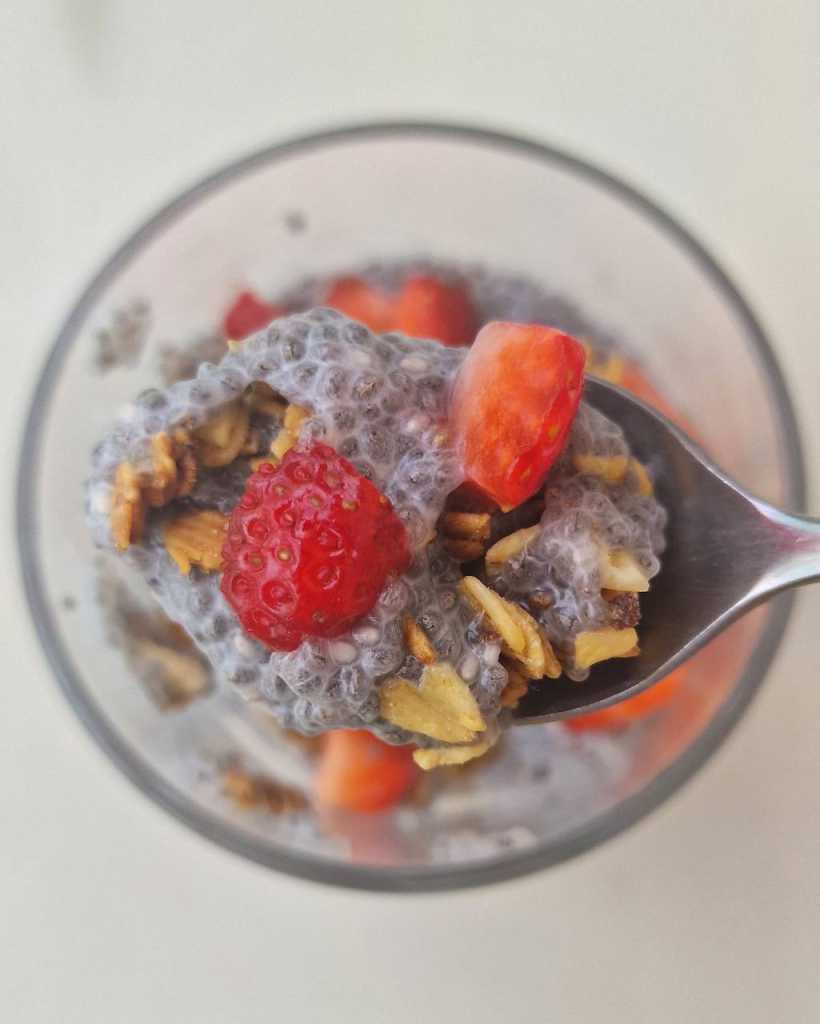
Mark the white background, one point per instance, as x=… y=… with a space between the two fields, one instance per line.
x=111 y=912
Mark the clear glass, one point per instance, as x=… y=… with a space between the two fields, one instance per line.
x=330 y=202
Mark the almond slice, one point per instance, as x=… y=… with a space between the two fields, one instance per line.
x=594 y=645
x=196 y=538
x=220 y=440
x=127 y=507
x=639 y=471
x=516 y=688
x=620 y=571
x=438 y=757
x=282 y=444
x=498 y=613
x=609 y=468
x=538 y=658
x=417 y=641
x=295 y=416
x=441 y=706
x=510 y=546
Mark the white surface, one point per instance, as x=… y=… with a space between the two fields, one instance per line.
x=109 y=911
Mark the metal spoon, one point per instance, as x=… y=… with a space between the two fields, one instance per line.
x=726 y=552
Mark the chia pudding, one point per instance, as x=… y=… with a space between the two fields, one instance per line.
x=482 y=585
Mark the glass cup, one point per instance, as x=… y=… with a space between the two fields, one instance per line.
x=323 y=204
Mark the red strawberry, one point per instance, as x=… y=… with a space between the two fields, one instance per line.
x=309 y=548
x=357 y=772
x=356 y=299
x=248 y=314
x=513 y=402
x=619 y=716
x=428 y=308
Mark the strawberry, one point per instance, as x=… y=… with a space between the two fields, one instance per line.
x=619 y=716
x=309 y=548
x=358 y=772
x=249 y=313
x=428 y=308
x=356 y=299
x=514 y=399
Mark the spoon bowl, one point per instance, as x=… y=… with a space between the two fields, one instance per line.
x=726 y=552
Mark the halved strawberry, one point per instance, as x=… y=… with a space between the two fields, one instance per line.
x=248 y=314
x=428 y=308
x=513 y=402
x=357 y=772
x=356 y=299
x=619 y=716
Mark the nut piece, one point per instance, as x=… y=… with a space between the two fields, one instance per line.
x=173 y=469
x=620 y=571
x=611 y=367
x=417 y=641
x=594 y=645
x=181 y=677
x=287 y=437
x=515 y=689
x=639 y=471
x=196 y=538
x=610 y=468
x=127 y=507
x=221 y=439
x=463 y=550
x=261 y=398
x=500 y=614
x=624 y=610
x=510 y=546
x=259 y=792
x=438 y=757
x=441 y=706
x=466 y=525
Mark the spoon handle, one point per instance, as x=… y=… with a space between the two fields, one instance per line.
x=794 y=551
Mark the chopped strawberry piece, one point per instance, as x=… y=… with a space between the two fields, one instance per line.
x=356 y=299
x=309 y=548
x=428 y=308
x=248 y=314
x=357 y=772
x=513 y=402
x=619 y=716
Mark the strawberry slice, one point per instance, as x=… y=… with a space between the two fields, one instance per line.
x=248 y=314
x=429 y=308
x=513 y=402
x=619 y=716
x=357 y=772
x=356 y=299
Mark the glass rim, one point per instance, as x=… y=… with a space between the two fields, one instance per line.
x=309 y=866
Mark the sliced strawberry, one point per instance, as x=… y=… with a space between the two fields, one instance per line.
x=513 y=402
x=429 y=308
x=619 y=716
x=356 y=299
x=357 y=772
x=248 y=314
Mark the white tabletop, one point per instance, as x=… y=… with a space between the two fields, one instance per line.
x=109 y=910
